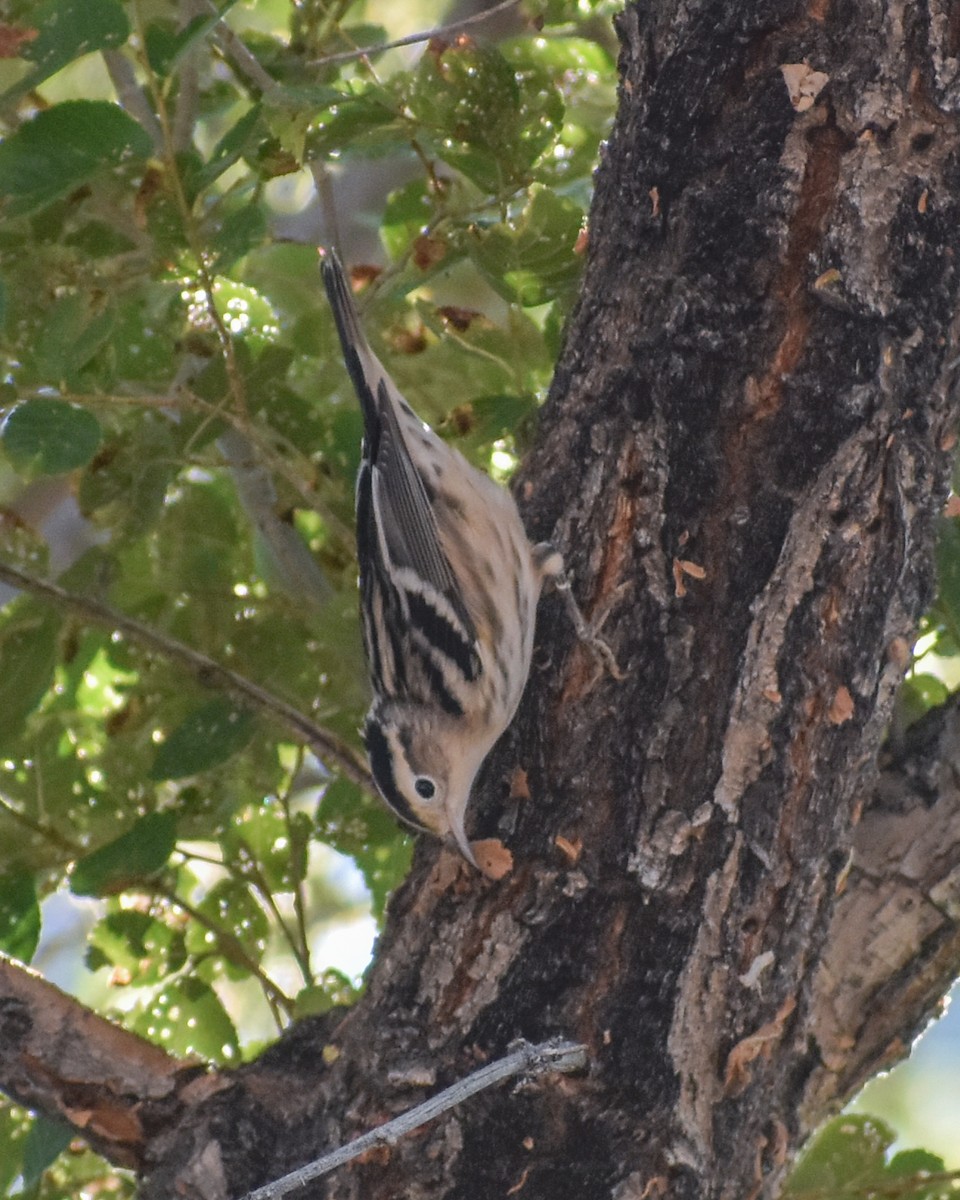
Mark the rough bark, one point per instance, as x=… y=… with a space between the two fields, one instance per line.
x=744 y=454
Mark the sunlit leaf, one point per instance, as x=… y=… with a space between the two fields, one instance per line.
x=362 y=122
x=15 y=1124
x=238 y=927
x=141 y=949
x=360 y=826
x=187 y=1018
x=918 y=694
x=532 y=259
x=332 y=989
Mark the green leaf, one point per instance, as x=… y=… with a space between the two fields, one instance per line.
x=67 y=29
x=913 y=1162
x=50 y=435
x=907 y=1172
x=359 y=825
x=206 y=738
x=28 y=651
x=125 y=486
x=187 y=1018
x=19 y=914
x=948 y=572
x=241 y=230
x=165 y=44
x=240 y=137
x=570 y=12
x=332 y=989
x=918 y=694
x=245 y=312
x=72 y=332
x=63 y=147
x=15 y=1125
x=484 y=116
x=531 y=260
x=42 y=1145
x=138 y=944
x=406 y=215
x=259 y=833
x=849 y=1151
x=238 y=915
x=487 y=419
x=364 y=123
x=559 y=55
x=97 y=239
x=132 y=857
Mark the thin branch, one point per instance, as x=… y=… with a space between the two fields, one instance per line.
x=232 y=46
x=131 y=95
x=412 y=38
x=232 y=949
x=281 y=456
x=187 y=101
x=40 y=828
x=191 y=230
x=204 y=669
x=525 y=1058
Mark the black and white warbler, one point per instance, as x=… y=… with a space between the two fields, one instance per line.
x=449 y=586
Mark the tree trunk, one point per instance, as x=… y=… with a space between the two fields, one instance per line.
x=744 y=455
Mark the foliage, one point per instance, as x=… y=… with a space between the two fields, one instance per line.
x=850 y=1157
x=172 y=379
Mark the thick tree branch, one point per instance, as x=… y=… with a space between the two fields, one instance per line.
x=60 y=1059
x=893 y=946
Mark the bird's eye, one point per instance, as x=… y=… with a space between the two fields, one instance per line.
x=426 y=788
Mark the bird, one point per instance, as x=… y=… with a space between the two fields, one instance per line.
x=449 y=589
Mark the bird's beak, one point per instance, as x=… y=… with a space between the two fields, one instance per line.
x=460 y=837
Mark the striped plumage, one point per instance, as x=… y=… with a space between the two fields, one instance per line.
x=449 y=585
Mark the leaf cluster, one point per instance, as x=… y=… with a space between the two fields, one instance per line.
x=179 y=441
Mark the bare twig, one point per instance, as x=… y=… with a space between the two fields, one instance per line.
x=233 y=949
x=411 y=39
x=329 y=225
x=187 y=101
x=131 y=95
x=525 y=1058
x=204 y=669
x=232 y=46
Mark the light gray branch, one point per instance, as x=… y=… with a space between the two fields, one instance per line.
x=234 y=48
x=525 y=1059
x=412 y=38
x=131 y=95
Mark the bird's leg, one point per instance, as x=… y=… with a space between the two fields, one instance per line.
x=549 y=562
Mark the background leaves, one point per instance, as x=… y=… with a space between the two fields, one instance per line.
x=179 y=442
